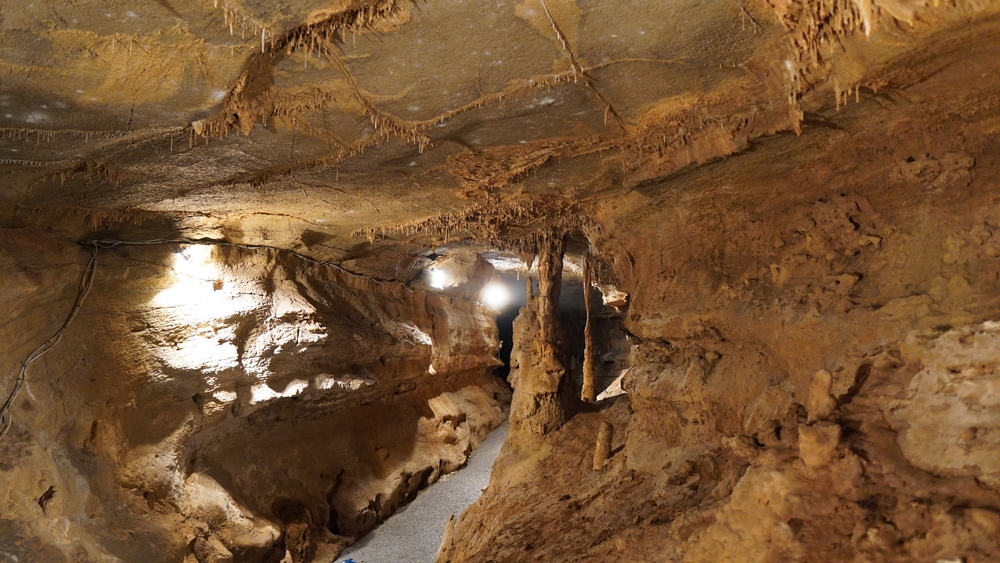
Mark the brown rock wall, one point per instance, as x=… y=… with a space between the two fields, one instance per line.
x=866 y=276
x=203 y=390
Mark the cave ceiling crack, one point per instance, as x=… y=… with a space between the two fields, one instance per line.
x=579 y=72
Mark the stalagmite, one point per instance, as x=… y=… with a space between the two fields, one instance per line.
x=820 y=403
x=603 y=448
x=588 y=394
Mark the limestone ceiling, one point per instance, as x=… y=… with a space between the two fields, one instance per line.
x=298 y=122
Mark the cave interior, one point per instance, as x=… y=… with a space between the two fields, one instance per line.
x=729 y=272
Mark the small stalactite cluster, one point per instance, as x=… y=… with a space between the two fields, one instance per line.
x=519 y=224
x=48 y=136
x=17 y=134
x=312 y=36
x=235 y=18
x=385 y=125
x=106 y=218
x=254 y=100
x=491 y=169
x=675 y=127
x=818 y=26
x=93 y=219
x=92 y=171
x=816 y=31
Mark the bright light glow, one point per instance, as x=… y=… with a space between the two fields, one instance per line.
x=263 y=392
x=198 y=294
x=193 y=291
x=195 y=261
x=439 y=278
x=495 y=295
x=194 y=305
x=224 y=396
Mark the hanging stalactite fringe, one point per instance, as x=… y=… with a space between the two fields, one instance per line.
x=86 y=282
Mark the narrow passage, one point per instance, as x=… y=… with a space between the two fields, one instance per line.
x=413 y=534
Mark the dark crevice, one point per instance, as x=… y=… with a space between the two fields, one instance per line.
x=505 y=330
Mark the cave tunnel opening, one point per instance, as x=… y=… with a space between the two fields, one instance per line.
x=611 y=349
x=505 y=321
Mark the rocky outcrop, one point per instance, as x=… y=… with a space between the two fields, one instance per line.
x=217 y=403
x=813 y=374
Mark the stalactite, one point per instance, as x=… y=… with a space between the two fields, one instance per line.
x=588 y=394
x=549 y=285
x=107 y=218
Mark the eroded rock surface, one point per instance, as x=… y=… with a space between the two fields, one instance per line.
x=812 y=374
x=229 y=404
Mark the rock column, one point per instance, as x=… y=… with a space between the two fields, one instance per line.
x=537 y=360
x=588 y=394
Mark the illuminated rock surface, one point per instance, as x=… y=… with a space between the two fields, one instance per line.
x=789 y=207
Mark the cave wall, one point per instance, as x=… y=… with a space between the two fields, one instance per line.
x=814 y=375
x=220 y=402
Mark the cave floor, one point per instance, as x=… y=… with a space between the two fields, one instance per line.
x=413 y=534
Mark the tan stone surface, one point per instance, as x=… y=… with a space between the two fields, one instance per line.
x=768 y=189
x=229 y=403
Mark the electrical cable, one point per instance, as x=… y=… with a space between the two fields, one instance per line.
x=107 y=244
x=86 y=282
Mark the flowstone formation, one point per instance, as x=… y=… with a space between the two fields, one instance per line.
x=788 y=207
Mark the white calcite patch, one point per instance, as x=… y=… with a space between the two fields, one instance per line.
x=949 y=419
